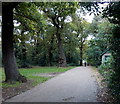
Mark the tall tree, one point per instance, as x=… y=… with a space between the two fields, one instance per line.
x=10 y=67
x=81 y=28
x=58 y=12
x=9 y=61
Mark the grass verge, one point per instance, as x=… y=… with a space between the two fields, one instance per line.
x=30 y=74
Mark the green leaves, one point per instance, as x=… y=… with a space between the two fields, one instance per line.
x=29 y=16
x=40 y=21
x=112 y=12
x=101 y=29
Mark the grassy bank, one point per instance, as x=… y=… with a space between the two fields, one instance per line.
x=30 y=74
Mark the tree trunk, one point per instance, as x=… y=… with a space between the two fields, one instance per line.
x=11 y=70
x=50 y=54
x=62 y=57
x=81 y=55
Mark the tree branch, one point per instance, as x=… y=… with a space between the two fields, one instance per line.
x=27 y=17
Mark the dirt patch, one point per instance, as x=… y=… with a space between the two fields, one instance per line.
x=13 y=91
x=103 y=92
x=48 y=74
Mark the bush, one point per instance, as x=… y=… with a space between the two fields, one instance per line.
x=106 y=69
x=107 y=64
x=22 y=64
x=73 y=64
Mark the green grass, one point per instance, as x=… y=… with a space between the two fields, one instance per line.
x=30 y=74
x=43 y=70
x=38 y=79
x=11 y=85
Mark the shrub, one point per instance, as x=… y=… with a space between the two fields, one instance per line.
x=106 y=69
x=107 y=64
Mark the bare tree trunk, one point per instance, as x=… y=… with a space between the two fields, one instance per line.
x=11 y=70
x=62 y=57
x=81 y=55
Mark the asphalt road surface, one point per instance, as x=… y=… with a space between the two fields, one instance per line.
x=75 y=85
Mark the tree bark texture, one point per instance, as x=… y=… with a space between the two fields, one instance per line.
x=81 y=55
x=11 y=70
x=62 y=57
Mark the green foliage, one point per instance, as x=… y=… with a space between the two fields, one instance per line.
x=93 y=55
x=107 y=64
x=115 y=79
x=92 y=7
x=101 y=30
x=21 y=54
x=112 y=12
x=35 y=43
x=0 y=52
x=106 y=70
x=107 y=74
x=34 y=35
x=81 y=29
x=28 y=32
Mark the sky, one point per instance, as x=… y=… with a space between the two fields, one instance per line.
x=89 y=18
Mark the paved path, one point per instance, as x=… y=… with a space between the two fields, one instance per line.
x=75 y=85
